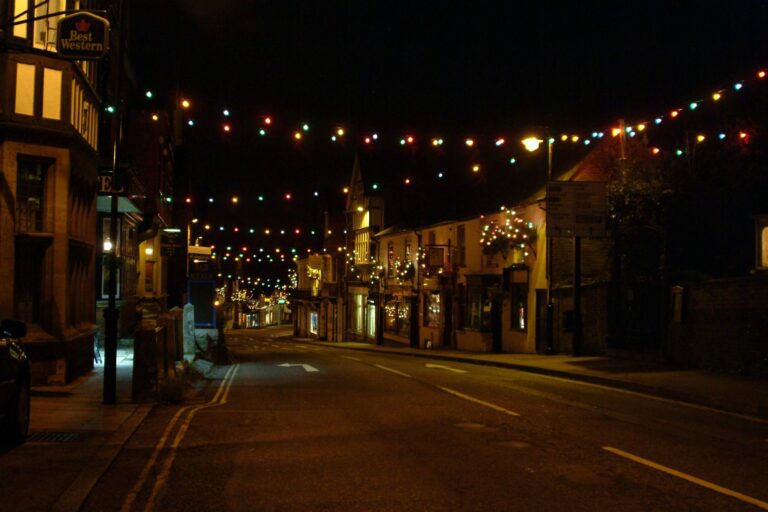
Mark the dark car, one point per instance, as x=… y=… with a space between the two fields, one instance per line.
x=14 y=383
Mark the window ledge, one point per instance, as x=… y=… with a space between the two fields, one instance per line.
x=34 y=234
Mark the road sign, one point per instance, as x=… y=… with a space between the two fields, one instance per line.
x=576 y=208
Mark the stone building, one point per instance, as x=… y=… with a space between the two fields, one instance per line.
x=49 y=115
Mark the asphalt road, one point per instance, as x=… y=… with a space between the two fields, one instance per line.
x=290 y=426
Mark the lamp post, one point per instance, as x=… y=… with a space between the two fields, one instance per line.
x=111 y=312
x=532 y=144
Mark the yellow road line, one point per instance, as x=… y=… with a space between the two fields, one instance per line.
x=478 y=401
x=162 y=477
x=689 y=478
x=134 y=492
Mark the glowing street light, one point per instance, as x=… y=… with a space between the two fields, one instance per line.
x=531 y=143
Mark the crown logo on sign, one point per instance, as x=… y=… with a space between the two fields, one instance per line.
x=82 y=25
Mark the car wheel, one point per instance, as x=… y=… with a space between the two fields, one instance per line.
x=19 y=421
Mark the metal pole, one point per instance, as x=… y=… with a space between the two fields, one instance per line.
x=550 y=325
x=577 y=341
x=111 y=312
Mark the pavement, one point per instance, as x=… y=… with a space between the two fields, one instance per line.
x=73 y=439
x=733 y=394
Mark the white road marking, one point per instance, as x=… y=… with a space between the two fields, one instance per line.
x=689 y=478
x=391 y=370
x=307 y=368
x=133 y=493
x=350 y=357
x=478 y=401
x=657 y=398
x=442 y=367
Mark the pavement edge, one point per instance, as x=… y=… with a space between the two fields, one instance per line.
x=74 y=496
x=754 y=413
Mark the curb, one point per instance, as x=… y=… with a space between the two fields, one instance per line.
x=74 y=496
x=754 y=413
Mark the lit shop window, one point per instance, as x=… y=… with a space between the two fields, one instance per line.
x=432 y=309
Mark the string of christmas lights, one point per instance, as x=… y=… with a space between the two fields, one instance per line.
x=298 y=132
x=494 y=232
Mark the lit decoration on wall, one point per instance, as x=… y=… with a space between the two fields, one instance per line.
x=507 y=231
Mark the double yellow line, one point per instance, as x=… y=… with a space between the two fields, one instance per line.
x=220 y=398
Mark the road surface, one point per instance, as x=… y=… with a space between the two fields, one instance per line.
x=291 y=426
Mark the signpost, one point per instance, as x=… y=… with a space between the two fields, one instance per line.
x=576 y=209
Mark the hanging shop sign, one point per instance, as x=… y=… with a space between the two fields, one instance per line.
x=82 y=36
x=108 y=185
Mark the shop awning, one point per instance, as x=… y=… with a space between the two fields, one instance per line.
x=124 y=205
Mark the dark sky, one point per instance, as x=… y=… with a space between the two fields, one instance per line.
x=453 y=69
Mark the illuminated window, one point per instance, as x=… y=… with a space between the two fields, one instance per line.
x=362 y=247
x=432 y=309
x=371 y=321
x=44 y=36
x=52 y=93
x=764 y=244
x=397 y=317
x=20 y=14
x=357 y=314
x=25 y=89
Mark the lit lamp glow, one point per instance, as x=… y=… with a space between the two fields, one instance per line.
x=531 y=143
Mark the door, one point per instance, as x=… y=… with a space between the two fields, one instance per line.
x=496 y=306
x=541 y=321
x=447 y=304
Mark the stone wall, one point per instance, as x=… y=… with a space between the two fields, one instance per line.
x=722 y=326
x=594 y=319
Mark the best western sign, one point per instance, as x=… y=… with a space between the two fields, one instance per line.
x=83 y=36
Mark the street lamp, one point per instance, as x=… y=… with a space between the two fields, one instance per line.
x=532 y=144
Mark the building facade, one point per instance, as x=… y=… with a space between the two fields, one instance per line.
x=49 y=118
x=364 y=217
x=398 y=273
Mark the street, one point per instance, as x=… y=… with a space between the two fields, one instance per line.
x=294 y=426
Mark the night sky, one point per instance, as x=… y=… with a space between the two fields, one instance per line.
x=447 y=69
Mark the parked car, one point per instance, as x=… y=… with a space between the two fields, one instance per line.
x=14 y=383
